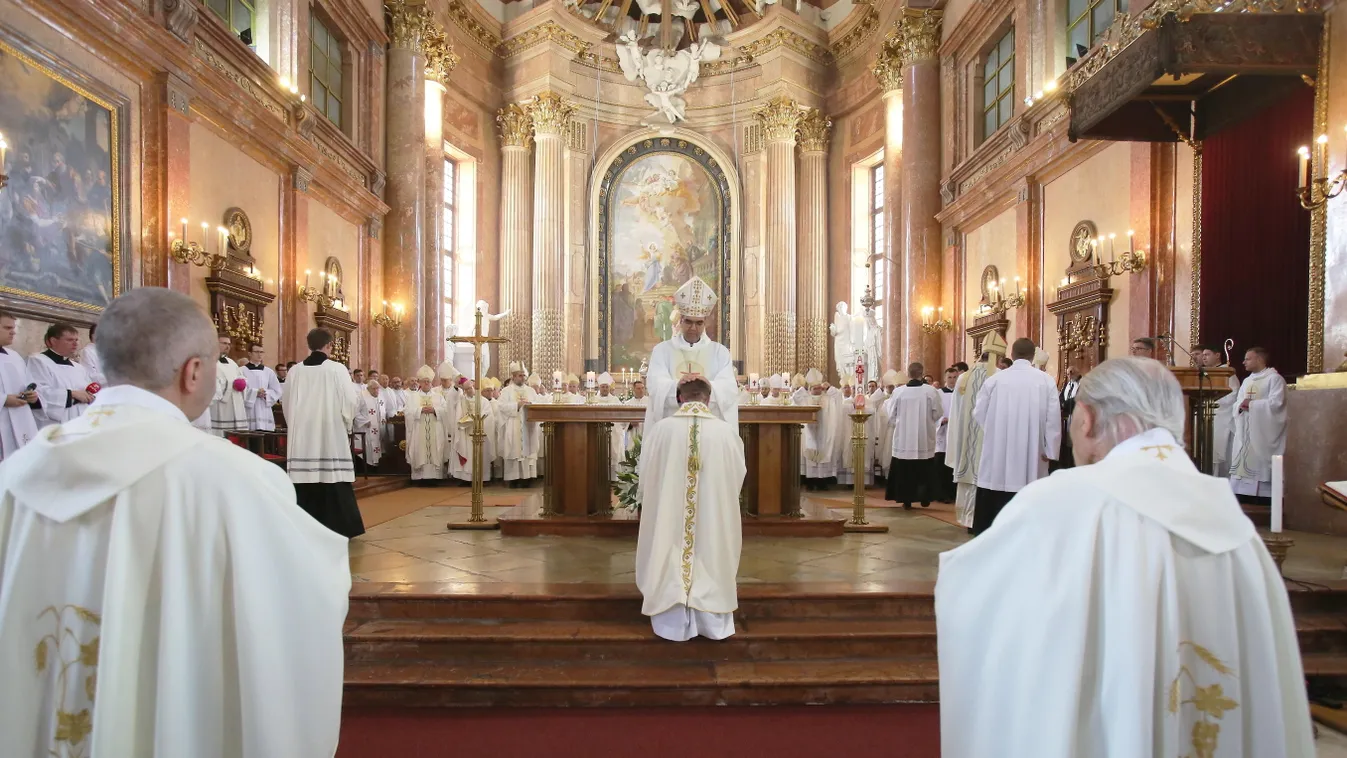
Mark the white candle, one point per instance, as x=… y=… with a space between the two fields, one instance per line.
x=1278 y=485
x=1302 y=176
x=589 y=380
x=556 y=380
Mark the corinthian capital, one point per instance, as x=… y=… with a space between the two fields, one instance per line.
x=779 y=118
x=549 y=112
x=440 y=55
x=815 y=128
x=920 y=32
x=516 y=127
x=408 y=24
x=888 y=66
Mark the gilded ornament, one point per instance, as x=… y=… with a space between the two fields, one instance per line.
x=814 y=130
x=779 y=118
x=919 y=32
x=786 y=38
x=408 y=24
x=516 y=126
x=888 y=66
x=463 y=18
x=1314 y=343
x=440 y=56
x=549 y=112
x=851 y=41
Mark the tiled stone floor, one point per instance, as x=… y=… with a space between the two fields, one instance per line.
x=418 y=547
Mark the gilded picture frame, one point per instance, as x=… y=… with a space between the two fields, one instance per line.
x=63 y=215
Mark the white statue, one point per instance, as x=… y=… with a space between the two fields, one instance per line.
x=487 y=320
x=844 y=350
x=666 y=74
x=871 y=350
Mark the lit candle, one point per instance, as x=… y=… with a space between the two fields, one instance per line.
x=1130 y=244
x=1303 y=175
x=556 y=380
x=860 y=400
x=1322 y=158
x=589 y=380
x=184 y=230
x=4 y=149
x=1278 y=484
x=306 y=278
x=1017 y=285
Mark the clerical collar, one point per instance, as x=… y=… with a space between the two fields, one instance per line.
x=947 y=389
x=59 y=360
x=680 y=342
x=315 y=359
x=254 y=367
x=914 y=383
x=224 y=359
x=3 y=351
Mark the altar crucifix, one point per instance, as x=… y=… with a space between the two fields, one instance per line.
x=477 y=520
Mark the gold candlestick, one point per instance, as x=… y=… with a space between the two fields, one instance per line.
x=858 y=523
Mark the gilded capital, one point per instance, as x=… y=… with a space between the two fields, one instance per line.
x=779 y=118
x=814 y=130
x=549 y=112
x=516 y=126
x=888 y=66
x=920 y=33
x=440 y=55
x=408 y=24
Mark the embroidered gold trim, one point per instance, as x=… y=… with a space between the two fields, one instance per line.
x=72 y=727
x=1209 y=701
x=690 y=507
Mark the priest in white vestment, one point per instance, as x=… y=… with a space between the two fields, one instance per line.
x=367 y=426
x=88 y=358
x=1124 y=607
x=518 y=438
x=319 y=405
x=633 y=431
x=818 y=444
x=1222 y=419
x=427 y=419
x=461 y=448
x=490 y=445
x=573 y=395
x=233 y=396
x=394 y=400
x=63 y=385
x=163 y=593
x=616 y=432
x=963 y=445
x=18 y=427
x=687 y=552
x=1021 y=430
x=883 y=424
x=691 y=354
x=914 y=411
x=942 y=476
x=1258 y=427
x=266 y=386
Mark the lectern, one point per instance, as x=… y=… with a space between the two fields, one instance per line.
x=1202 y=387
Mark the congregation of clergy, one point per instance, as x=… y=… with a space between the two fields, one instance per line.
x=84 y=433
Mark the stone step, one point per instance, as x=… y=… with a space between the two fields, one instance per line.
x=641 y=684
x=1324 y=664
x=632 y=640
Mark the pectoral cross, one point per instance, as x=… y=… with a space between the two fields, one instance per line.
x=1161 y=451
x=477 y=520
x=99 y=414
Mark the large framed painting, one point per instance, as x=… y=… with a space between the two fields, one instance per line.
x=62 y=213
x=664 y=216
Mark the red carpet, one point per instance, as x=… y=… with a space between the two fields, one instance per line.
x=892 y=731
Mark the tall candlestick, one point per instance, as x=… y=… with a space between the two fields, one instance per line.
x=1278 y=485
x=1303 y=175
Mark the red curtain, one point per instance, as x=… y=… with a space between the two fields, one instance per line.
x=1255 y=235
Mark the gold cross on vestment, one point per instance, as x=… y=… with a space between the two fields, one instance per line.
x=98 y=414
x=1161 y=451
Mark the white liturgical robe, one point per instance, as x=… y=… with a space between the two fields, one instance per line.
x=393 y=403
x=1222 y=422
x=516 y=436
x=1021 y=424
x=818 y=446
x=1258 y=433
x=460 y=455
x=266 y=389
x=687 y=552
x=367 y=427
x=18 y=427
x=319 y=405
x=164 y=595
x=963 y=440
x=426 y=436
x=1125 y=608
x=56 y=377
x=229 y=407
x=883 y=429
x=914 y=412
x=88 y=358
x=673 y=358
x=845 y=452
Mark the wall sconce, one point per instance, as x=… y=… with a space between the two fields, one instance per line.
x=1315 y=193
x=934 y=326
x=389 y=319
x=318 y=295
x=292 y=88
x=4 y=149
x=195 y=253
x=1000 y=301
x=1132 y=261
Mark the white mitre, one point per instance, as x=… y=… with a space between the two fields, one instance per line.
x=776 y=382
x=813 y=377
x=605 y=378
x=517 y=367
x=695 y=298
x=446 y=371
x=1040 y=357
x=891 y=378
x=425 y=372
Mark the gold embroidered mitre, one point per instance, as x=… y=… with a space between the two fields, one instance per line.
x=695 y=298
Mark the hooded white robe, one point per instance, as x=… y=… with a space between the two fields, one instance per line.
x=517 y=437
x=174 y=598
x=687 y=552
x=55 y=379
x=18 y=426
x=1258 y=433
x=1126 y=608
x=229 y=407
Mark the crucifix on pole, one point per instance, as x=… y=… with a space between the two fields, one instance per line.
x=477 y=520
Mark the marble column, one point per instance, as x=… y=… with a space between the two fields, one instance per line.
x=176 y=158
x=779 y=119
x=812 y=280
x=920 y=31
x=550 y=113
x=433 y=319
x=516 y=253
x=888 y=69
x=404 y=251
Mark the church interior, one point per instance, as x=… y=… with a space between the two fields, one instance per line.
x=862 y=185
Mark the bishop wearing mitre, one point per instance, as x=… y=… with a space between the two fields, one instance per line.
x=233 y=396
x=63 y=385
x=1124 y=607
x=688 y=355
x=963 y=441
x=516 y=436
x=461 y=448
x=428 y=420
x=687 y=550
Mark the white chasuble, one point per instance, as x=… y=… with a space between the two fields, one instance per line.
x=18 y=426
x=1126 y=608
x=1021 y=422
x=427 y=419
x=460 y=456
x=1258 y=433
x=56 y=377
x=687 y=551
x=93 y=364
x=367 y=427
x=671 y=359
x=393 y=401
x=516 y=436
x=319 y=405
x=914 y=411
x=819 y=443
x=883 y=431
x=845 y=448
x=1222 y=421
x=963 y=440
x=164 y=595
x=229 y=407
x=267 y=389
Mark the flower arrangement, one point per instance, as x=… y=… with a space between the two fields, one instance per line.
x=626 y=483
